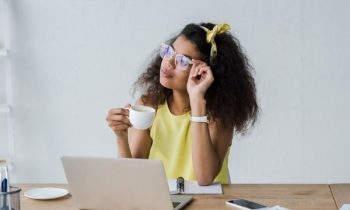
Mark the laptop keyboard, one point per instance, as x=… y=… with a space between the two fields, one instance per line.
x=175 y=204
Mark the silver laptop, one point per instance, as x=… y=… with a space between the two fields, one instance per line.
x=111 y=183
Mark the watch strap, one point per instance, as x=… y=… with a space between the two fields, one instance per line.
x=200 y=119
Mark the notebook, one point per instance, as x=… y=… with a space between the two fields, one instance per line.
x=111 y=183
x=192 y=187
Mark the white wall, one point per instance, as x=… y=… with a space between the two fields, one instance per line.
x=72 y=60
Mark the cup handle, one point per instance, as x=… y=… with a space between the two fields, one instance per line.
x=129 y=107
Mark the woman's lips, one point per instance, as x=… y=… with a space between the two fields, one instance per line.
x=166 y=73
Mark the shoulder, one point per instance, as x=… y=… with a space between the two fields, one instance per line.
x=145 y=102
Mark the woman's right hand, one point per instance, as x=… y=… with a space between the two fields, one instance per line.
x=118 y=121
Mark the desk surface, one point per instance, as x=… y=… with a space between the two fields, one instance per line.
x=341 y=194
x=292 y=196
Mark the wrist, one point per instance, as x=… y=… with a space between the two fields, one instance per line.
x=121 y=140
x=200 y=119
x=198 y=107
x=196 y=97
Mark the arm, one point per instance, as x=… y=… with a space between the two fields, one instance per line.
x=140 y=141
x=209 y=142
x=132 y=143
x=118 y=121
x=209 y=145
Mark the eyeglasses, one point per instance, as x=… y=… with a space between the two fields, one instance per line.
x=181 y=61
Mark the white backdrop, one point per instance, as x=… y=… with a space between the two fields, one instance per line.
x=72 y=60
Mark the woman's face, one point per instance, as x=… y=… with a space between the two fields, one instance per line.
x=174 y=76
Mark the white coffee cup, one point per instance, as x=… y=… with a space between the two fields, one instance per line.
x=141 y=117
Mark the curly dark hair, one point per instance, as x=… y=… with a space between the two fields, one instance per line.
x=231 y=98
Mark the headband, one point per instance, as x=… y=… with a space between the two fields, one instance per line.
x=218 y=29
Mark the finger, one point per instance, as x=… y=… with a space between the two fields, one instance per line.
x=194 y=67
x=192 y=72
x=197 y=70
x=202 y=69
x=116 y=117
x=120 y=127
x=122 y=111
x=194 y=61
x=115 y=123
x=119 y=118
x=123 y=120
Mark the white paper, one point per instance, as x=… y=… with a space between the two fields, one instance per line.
x=192 y=187
x=345 y=207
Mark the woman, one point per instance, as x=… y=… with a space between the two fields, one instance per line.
x=202 y=88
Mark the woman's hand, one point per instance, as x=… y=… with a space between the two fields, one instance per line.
x=118 y=121
x=200 y=78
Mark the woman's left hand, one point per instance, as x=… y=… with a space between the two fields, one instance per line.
x=199 y=80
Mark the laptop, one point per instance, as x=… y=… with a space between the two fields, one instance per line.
x=111 y=183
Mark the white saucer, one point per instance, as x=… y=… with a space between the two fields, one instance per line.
x=45 y=193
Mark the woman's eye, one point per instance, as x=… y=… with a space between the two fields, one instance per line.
x=170 y=51
x=184 y=61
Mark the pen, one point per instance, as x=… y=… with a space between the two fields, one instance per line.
x=180 y=184
x=4 y=185
x=4 y=177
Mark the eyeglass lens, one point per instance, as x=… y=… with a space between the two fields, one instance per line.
x=167 y=52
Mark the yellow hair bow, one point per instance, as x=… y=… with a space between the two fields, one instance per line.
x=218 y=29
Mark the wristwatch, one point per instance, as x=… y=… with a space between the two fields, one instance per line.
x=200 y=119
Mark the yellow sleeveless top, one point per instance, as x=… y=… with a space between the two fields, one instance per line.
x=172 y=144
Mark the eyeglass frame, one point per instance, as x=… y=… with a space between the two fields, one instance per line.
x=177 y=55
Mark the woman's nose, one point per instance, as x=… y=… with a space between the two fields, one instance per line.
x=171 y=61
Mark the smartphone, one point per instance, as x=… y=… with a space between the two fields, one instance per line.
x=244 y=204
